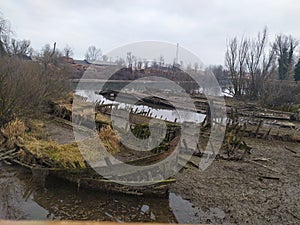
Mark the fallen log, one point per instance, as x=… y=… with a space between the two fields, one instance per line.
x=269 y=178
x=291 y=150
x=21 y=164
x=7 y=153
x=264 y=166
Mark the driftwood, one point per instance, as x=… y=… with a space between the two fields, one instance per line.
x=269 y=178
x=258 y=127
x=291 y=150
x=262 y=159
x=21 y=164
x=264 y=166
x=8 y=154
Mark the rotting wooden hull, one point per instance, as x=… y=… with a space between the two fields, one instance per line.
x=88 y=178
x=158 y=188
x=120 y=180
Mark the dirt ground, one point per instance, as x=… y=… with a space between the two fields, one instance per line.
x=262 y=189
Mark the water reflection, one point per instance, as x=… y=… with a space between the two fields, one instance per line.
x=10 y=208
x=65 y=202
x=186 y=212
x=59 y=200
x=16 y=195
x=165 y=114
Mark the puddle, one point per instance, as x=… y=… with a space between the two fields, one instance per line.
x=186 y=212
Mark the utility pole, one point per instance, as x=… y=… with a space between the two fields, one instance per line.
x=177 y=51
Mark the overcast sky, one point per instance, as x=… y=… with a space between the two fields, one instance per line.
x=202 y=26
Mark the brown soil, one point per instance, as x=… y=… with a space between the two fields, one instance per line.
x=266 y=191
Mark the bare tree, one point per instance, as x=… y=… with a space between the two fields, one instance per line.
x=181 y=63
x=20 y=48
x=50 y=55
x=120 y=61
x=146 y=63
x=218 y=72
x=161 y=61
x=11 y=46
x=235 y=59
x=93 y=54
x=154 y=64
x=260 y=64
x=139 y=64
x=129 y=59
x=189 y=67
x=68 y=51
x=105 y=58
x=134 y=60
x=5 y=32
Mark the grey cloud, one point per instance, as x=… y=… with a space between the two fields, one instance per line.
x=201 y=26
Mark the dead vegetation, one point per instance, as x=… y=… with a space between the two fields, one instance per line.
x=110 y=139
x=234 y=143
x=63 y=155
x=31 y=146
x=26 y=88
x=13 y=132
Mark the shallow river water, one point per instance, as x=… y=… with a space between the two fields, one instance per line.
x=165 y=114
x=58 y=200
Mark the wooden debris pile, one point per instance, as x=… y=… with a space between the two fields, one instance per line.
x=234 y=145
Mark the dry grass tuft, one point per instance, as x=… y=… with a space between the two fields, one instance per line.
x=100 y=117
x=61 y=154
x=36 y=142
x=110 y=139
x=14 y=130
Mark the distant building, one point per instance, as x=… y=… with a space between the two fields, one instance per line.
x=103 y=63
x=81 y=62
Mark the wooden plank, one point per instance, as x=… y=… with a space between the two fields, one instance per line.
x=36 y=222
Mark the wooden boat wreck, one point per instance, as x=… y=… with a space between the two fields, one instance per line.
x=47 y=159
x=127 y=182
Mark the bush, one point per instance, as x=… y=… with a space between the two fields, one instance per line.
x=281 y=94
x=25 y=87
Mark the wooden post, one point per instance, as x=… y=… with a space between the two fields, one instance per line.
x=258 y=127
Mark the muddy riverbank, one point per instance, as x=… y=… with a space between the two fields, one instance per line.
x=262 y=189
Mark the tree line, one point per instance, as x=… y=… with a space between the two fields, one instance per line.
x=253 y=62
x=250 y=64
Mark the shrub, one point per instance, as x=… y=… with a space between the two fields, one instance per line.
x=281 y=94
x=26 y=88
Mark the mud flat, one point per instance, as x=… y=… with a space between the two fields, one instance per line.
x=262 y=189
